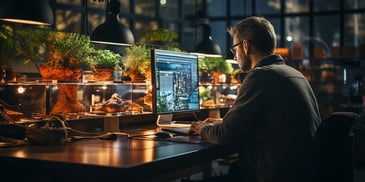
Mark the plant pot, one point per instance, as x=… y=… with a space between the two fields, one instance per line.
x=67 y=101
x=103 y=74
x=50 y=73
x=136 y=77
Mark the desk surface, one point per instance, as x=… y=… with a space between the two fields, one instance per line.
x=96 y=159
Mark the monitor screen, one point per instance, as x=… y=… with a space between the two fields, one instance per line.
x=175 y=79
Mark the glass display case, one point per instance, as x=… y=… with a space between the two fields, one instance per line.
x=218 y=95
x=27 y=101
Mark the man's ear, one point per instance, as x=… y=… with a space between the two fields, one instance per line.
x=245 y=47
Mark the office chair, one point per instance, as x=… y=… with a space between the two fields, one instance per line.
x=336 y=147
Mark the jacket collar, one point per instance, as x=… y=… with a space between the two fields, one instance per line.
x=267 y=60
x=270 y=59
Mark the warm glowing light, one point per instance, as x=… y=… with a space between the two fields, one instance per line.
x=282 y=51
x=21 y=90
x=25 y=21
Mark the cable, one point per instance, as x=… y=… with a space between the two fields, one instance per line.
x=63 y=125
x=6 y=117
x=84 y=133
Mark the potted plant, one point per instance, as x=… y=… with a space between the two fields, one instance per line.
x=215 y=66
x=138 y=57
x=138 y=62
x=69 y=52
x=159 y=38
x=105 y=63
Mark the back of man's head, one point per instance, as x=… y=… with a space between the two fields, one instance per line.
x=258 y=31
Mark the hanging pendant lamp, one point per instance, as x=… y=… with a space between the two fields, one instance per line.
x=36 y=12
x=112 y=31
x=207 y=45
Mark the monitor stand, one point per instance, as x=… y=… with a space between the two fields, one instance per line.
x=165 y=120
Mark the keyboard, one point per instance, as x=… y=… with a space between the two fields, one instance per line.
x=178 y=130
x=176 y=124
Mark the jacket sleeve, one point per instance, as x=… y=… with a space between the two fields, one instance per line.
x=243 y=115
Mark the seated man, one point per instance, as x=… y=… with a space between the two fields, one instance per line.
x=274 y=121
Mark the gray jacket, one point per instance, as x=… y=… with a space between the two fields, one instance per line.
x=272 y=124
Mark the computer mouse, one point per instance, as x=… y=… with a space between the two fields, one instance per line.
x=163 y=134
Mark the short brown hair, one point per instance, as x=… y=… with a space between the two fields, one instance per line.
x=257 y=30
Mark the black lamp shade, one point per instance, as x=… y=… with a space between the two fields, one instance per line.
x=36 y=12
x=207 y=45
x=112 y=31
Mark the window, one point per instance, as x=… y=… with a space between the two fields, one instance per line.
x=295 y=21
x=326 y=5
x=268 y=7
x=297 y=6
x=354 y=29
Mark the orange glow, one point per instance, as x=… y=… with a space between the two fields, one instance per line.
x=285 y=52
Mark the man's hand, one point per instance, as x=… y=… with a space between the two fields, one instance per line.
x=196 y=127
x=213 y=121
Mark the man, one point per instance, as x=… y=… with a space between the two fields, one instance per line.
x=273 y=122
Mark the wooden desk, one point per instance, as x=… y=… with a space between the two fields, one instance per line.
x=106 y=160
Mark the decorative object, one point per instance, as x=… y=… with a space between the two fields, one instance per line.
x=115 y=104
x=68 y=53
x=105 y=63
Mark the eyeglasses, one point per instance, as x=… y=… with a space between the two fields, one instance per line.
x=233 y=50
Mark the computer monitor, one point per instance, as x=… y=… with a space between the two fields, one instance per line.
x=175 y=81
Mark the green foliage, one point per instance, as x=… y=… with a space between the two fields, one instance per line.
x=33 y=43
x=9 y=47
x=70 y=50
x=212 y=64
x=162 y=38
x=42 y=45
x=106 y=59
x=205 y=93
x=138 y=58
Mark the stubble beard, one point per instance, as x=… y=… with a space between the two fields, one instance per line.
x=246 y=63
